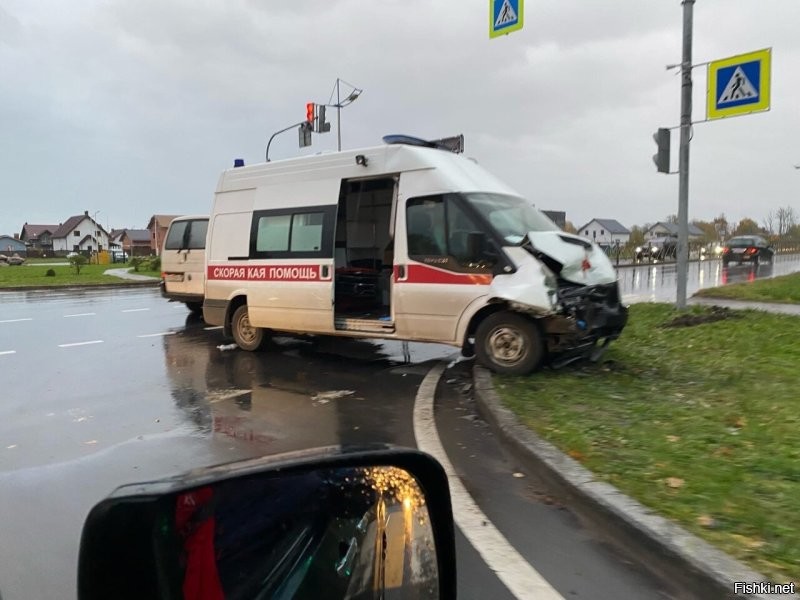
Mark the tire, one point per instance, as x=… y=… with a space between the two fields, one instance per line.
x=245 y=335
x=509 y=344
x=195 y=307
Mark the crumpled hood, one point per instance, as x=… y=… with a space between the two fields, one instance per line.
x=573 y=252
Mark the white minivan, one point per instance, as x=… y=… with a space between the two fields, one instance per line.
x=183 y=261
x=404 y=241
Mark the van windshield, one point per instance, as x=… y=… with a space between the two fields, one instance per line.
x=510 y=216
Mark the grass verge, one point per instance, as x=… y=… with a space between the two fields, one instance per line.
x=35 y=276
x=784 y=289
x=700 y=422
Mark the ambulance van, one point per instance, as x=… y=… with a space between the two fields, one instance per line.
x=183 y=261
x=405 y=241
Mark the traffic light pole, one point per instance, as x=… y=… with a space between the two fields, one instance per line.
x=279 y=132
x=683 y=164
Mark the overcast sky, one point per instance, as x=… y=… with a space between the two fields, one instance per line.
x=134 y=107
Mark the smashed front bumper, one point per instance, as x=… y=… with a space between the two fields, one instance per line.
x=588 y=319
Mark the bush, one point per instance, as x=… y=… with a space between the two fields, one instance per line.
x=152 y=263
x=50 y=273
x=136 y=262
x=77 y=262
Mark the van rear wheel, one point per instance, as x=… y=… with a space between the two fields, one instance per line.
x=509 y=343
x=245 y=335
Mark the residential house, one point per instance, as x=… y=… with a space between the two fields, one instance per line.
x=559 y=217
x=11 y=244
x=135 y=242
x=662 y=230
x=606 y=232
x=158 y=230
x=38 y=238
x=80 y=233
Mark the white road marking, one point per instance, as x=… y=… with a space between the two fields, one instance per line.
x=156 y=334
x=8 y=352
x=135 y=309
x=80 y=344
x=80 y=315
x=15 y=320
x=212 y=328
x=521 y=579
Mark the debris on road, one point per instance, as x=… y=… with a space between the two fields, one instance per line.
x=325 y=397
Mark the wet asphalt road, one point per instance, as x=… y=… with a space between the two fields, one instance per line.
x=111 y=387
x=657 y=282
x=107 y=387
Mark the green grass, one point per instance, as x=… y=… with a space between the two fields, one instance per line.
x=34 y=276
x=785 y=289
x=700 y=423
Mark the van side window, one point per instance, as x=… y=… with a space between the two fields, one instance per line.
x=273 y=233
x=438 y=226
x=285 y=233
x=425 y=226
x=306 y=232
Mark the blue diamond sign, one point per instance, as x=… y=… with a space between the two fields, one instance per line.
x=739 y=85
x=505 y=16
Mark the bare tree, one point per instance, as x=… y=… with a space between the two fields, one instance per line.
x=769 y=223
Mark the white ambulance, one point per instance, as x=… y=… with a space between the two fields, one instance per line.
x=405 y=241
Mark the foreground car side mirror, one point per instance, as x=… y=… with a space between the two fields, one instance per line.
x=318 y=524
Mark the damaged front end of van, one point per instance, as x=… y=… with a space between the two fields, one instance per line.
x=570 y=288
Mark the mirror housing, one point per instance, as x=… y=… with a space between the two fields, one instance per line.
x=328 y=518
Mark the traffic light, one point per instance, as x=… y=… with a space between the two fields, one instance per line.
x=661 y=157
x=310 y=112
x=322 y=126
x=304 y=134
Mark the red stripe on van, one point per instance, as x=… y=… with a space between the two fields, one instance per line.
x=426 y=274
x=265 y=273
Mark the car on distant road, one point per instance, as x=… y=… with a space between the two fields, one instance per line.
x=752 y=249
x=657 y=249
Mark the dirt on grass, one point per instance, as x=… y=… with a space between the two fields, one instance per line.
x=713 y=314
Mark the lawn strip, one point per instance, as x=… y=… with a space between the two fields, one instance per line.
x=784 y=290
x=35 y=276
x=700 y=423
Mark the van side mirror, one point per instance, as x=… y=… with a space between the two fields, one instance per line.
x=309 y=524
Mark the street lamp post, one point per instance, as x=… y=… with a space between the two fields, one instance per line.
x=341 y=104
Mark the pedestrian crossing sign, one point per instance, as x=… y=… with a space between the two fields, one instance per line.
x=505 y=16
x=739 y=85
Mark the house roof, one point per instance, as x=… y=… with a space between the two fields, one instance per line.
x=70 y=224
x=672 y=228
x=12 y=238
x=162 y=220
x=138 y=235
x=34 y=231
x=610 y=225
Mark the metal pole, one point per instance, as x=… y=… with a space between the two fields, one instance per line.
x=338 y=116
x=266 y=154
x=683 y=166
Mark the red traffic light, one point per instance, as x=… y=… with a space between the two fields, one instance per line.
x=310 y=110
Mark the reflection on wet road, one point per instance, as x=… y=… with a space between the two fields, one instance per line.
x=156 y=396
x=657 y=282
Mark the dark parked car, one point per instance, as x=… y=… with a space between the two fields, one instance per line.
x=751 y=249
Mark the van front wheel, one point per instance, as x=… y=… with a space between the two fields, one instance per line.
x=509 y=344
x=246 y=336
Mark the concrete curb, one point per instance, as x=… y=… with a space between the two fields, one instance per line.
x=94 y=286
x=660 y=546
